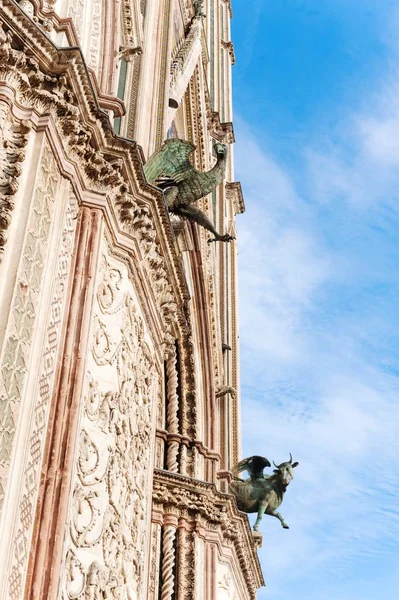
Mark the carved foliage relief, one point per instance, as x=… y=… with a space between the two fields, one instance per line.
x=13 y=140
x=108 y=529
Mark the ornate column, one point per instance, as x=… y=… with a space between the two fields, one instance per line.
x=168 y=561
x=172 y=420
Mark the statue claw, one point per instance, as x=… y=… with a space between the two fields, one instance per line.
x=222 y=238
x=285 y=526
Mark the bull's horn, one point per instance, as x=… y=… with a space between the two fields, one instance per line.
x=275 y=465
x=290 y=458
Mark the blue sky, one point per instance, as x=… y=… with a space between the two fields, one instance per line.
x=316 y=99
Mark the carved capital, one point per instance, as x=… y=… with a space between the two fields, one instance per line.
x=223 y=132
x=229 y=46
x=214 y=514
x=234 y=194
x=129 y=52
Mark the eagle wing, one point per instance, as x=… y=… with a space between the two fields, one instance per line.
x=254 y=465
x=170 y=163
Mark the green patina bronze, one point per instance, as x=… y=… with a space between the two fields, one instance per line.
x=171 y=170
x=261 y=493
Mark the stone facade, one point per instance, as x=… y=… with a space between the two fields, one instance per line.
x=116 y=388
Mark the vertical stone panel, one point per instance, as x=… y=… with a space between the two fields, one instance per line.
x=95 y=37
x=41 y=394
x=75 y=11
x=199 y=554
x=226 y=586
x=15 y=360
x=107 y=540
x=154 y=573
x=56 y=479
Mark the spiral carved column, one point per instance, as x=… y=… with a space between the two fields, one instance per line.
x=168 y=562
x=172 y=421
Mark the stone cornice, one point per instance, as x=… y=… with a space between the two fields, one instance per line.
x=213 y=511
x=220 y=131
x=234 y=193
x=223 y=132
x=42 y=80
x=229 y=46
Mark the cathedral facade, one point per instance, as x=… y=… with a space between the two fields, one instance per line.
x=119 y=377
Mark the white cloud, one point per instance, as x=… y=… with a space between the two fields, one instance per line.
x=314 y=376
x=359 y=163
x=283 y=263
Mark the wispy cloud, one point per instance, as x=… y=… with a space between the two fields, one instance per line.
x=319 y=287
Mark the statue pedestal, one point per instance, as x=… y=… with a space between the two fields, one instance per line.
x=257 y=538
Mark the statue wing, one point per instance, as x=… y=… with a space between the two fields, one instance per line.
x=254 y=465
x=170 y=163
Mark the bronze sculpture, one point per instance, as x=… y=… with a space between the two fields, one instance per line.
x=170 y=169
x=261 y=493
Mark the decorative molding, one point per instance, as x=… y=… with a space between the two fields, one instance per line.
x=109 y=510
x=13 y=140
x=222 y=132
x=109 y=165
x=186 y=564
x=75 y=12
x=214 y=515
x=185 y=62
x=154 y=562
x=56 y=482
x=132 y=24
x=234 y=194
x=18 y=339
x=229 y=46
x=228 y=2
x=163 y=70
x=46 y=375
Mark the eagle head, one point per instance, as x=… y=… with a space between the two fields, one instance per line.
x=220 y=150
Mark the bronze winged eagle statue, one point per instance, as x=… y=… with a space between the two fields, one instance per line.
x=170 y=169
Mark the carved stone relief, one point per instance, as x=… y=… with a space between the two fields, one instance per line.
x=184 y=63
x=211 y=511
x=226 y=588
x=13 y=140
x=18 y=339
x=101 y=170
x=95 y=35
x=186 y=564
x=109 y=512
x=199 y=554
x=41 y=402
x=75 y=11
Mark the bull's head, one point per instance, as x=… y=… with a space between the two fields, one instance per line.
x=284 y=470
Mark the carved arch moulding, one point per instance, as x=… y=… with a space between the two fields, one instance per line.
x=44 y=86
x=47 y=91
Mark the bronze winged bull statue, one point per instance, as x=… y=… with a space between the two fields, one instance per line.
x=261 y=493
